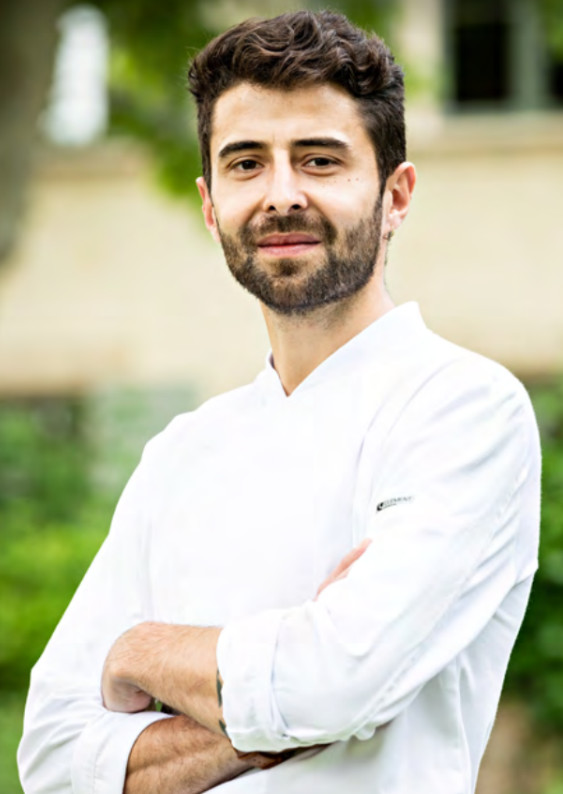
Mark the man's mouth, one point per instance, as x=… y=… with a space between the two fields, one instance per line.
x=291 y=244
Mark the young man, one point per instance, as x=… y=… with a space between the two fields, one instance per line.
x=367 y=439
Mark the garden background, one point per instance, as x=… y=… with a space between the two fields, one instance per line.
x=116 y=312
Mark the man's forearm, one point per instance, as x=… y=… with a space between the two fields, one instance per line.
x=179 y=756
x=174 y=664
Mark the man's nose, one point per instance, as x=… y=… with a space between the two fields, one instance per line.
x=284 y=191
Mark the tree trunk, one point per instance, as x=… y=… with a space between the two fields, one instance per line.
x=27 y=47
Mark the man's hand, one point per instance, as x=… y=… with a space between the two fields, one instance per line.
x=119 y=692
x=343 y=567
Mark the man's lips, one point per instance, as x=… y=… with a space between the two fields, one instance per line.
x=287 y=244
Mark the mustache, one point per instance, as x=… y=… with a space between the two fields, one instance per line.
x=283 y=224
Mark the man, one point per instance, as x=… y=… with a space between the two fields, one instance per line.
x=367 y=439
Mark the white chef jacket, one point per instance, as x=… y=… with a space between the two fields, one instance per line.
x=240 y=509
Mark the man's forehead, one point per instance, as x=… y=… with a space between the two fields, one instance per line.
x=248 y=112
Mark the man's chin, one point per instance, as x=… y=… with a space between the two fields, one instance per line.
x=285 y=269
x=305 y=263
x=295 y=303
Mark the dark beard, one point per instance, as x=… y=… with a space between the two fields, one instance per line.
x=288 y=289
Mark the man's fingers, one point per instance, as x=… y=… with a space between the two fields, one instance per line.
x=350 y=558
x=341 y=570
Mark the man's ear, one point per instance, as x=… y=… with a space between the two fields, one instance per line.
x=398 y=194
x=207 y=208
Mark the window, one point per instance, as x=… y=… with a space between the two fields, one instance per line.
x=498 y=56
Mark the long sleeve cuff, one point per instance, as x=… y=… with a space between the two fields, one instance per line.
x=245 y=657
x=102 y=751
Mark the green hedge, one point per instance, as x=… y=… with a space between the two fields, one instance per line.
x=536 y=669
x=39 y=571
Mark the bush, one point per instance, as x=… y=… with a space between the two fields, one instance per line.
x=39 y=572
x=63 y=461
x=44 y=459
x=44 y=487
x=536 y=669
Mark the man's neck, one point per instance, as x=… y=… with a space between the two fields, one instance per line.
x=301 y=343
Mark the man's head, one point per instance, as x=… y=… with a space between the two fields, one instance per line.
x=302 y=49
x=303 y=144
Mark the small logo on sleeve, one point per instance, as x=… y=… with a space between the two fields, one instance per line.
x=397 y=500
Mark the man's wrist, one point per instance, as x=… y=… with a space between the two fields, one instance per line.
x=260 y=760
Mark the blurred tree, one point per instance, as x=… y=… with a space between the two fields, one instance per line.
x=552 y=18
x=150 y=46
x=27 y=49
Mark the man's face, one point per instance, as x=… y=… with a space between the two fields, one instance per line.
x=296 y=195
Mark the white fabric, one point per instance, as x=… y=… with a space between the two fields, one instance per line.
x=240 y=509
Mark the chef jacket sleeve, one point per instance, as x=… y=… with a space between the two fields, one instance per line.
x=71 y=743
x=453 y=516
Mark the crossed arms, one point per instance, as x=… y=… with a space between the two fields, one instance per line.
x=177 y=665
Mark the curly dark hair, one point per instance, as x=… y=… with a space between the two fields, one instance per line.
x=299 y=49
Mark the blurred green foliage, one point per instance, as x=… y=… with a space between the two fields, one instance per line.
x=552 y=21
x=11 y=718
x=49 y=528
x=44 y=459
x=40 y=567
x=536 y=669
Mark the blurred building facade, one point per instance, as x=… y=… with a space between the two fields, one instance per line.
x=116 y=283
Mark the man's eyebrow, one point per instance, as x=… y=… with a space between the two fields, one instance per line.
x=324 y=143
x=301 y=143
x=239 y=146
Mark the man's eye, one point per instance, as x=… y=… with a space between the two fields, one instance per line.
x=246 y=165
x=320 y=162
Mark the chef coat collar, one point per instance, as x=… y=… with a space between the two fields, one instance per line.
x=389 y=330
